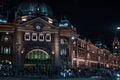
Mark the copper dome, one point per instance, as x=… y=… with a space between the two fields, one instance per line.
x=35 y=8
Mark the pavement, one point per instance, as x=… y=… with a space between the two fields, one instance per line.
x=38 y=77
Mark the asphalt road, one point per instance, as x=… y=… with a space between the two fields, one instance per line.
x=39 y=78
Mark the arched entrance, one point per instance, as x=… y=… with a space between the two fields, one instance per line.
x=37 y=61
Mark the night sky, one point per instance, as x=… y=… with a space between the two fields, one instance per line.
x=94 y=19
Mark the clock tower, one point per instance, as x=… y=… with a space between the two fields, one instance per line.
x=116 y=46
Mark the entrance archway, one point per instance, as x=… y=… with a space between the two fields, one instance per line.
x=37 y=61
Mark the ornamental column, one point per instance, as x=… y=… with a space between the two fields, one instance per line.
x=56 y=50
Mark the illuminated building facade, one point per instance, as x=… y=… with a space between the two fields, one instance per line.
x=35 y=42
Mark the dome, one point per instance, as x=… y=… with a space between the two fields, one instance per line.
x=35 y=8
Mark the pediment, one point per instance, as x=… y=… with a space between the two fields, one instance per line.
x=35 y=22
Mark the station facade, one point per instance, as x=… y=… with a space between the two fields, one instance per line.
x=35 y=41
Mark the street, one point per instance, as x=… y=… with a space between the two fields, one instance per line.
x=39 y=78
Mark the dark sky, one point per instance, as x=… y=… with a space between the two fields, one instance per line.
x=94 y=19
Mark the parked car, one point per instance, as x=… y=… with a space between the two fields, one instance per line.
x=66 y=72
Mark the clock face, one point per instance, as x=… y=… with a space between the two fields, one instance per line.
x=38 y=28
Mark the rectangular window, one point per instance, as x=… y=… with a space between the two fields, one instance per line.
x=62 y=41
x=41 y=37
x=48 y=37
x=34 y=36
x=7 y=50
x=27 y=37
x=63 y=51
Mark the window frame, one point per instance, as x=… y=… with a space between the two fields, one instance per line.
x=4 y=50
x=34 y=34
x=41 y=35
x=25 y=36
x=48 y=35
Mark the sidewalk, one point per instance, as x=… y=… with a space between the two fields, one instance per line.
x=38 y=78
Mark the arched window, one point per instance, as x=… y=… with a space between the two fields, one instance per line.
x=6 y=44
x=5 y=38
x=37 y=54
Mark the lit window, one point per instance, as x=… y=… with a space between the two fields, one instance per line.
x=6 y=50
x=63 y=51
x=27 y=36
x=34 y=36
x=48 y=37
x=115 y=53
x=38 y=9
x=62 y=41
x=93 y=51
x=73 y=53
x=37 y=54
x=66 y=24
x=7 y=32
x=74 y=43
x=5 y=38
x=116 y=47
x=41 y=37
